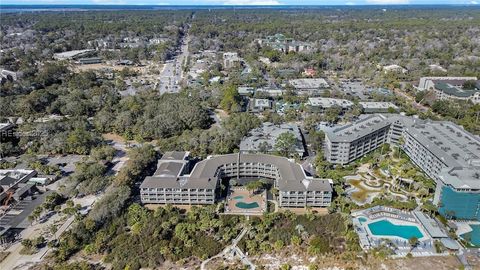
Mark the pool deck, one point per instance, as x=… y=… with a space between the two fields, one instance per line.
x=398 y=223
x=247 y=197
x=362 y=218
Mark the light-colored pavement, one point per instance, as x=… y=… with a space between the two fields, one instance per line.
x=15 y=260
x=172 y=72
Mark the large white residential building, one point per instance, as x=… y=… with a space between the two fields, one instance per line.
x=321 y=104
x=444 y=151
x=173 y=184
x=451 y=88
x=309 y=86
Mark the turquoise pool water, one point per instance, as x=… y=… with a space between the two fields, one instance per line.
x=238 y=197
x=362 y=219
x=245 y=205
x=473 y=236
x=386 y=228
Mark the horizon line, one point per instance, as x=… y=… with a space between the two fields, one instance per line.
x=229 y=5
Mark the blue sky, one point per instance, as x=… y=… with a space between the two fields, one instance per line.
x=242 y=2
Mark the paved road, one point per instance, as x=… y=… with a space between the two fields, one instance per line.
x=172 y=73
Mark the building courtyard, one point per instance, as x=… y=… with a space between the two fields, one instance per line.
x=241 y=201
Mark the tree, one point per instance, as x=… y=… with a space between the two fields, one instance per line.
x=332 y=113
x=264 y=147
x=296 y=240
x=285 y=144
x=230 y=99
x=254 y=185
x=316 y=139
x=413 y=242
x=470 y=85
x=318 y=245
x=278 y=245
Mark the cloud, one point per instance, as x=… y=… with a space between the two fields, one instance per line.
x=473 y=2
x=252 y=2
x=350 y=3
x=388 y=2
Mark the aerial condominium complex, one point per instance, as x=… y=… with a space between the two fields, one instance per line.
x=451 y=156
x=452 y=88
x=350 y=142
x=172 y=183
x=444 y=151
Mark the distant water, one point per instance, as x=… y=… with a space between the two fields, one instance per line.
x=66 y=8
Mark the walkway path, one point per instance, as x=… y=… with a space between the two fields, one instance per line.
x=232 y=250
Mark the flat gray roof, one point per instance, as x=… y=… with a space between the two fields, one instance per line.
x=169 y=169
x=329 y=102
x=358 y=129
x=447 y=141
x=269 y=133
x=430 y=225
x=309 y=83
x=204 y=174
x=461 y=177
x=377 y=105
x=175 y=155
x=452 y=90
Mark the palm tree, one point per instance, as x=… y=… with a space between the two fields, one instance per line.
x=413 y=241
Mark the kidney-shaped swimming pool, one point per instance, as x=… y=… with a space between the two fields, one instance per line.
x=387 y=228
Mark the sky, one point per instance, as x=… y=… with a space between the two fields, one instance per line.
x=243 y=2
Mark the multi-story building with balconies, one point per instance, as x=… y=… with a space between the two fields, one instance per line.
x=444 y=151
x=173 y=183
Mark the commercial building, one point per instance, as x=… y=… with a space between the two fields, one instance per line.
x=309 y=86
x=246 y=90
x=394 y=68
x=437 y=68
x=280 y=43
x=172 y=184
x=14 y=184
x=378 y=107
x=444 y=151
x=451 y=156
x=69 y=55
x=345 y=144
x=320 y=104
x=231 y=60
x=427 y=83
x=18 y=198
x=7 y=75
x=264 y=138
x=257 y=105
x=451 y=88
x=90 y=60
x=271 y=92
x=448 y=91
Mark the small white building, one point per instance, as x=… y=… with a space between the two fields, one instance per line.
x=231 y=59
x=309 y=86
x=68 y=55
x=378 y=107
x=321 y=104
x=394 y=68
x=260 y=105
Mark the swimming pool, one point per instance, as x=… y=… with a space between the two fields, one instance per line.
x=245 y=205
x=473 y=236
x=238 y=198
x=387 y=228
x=362 y=219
